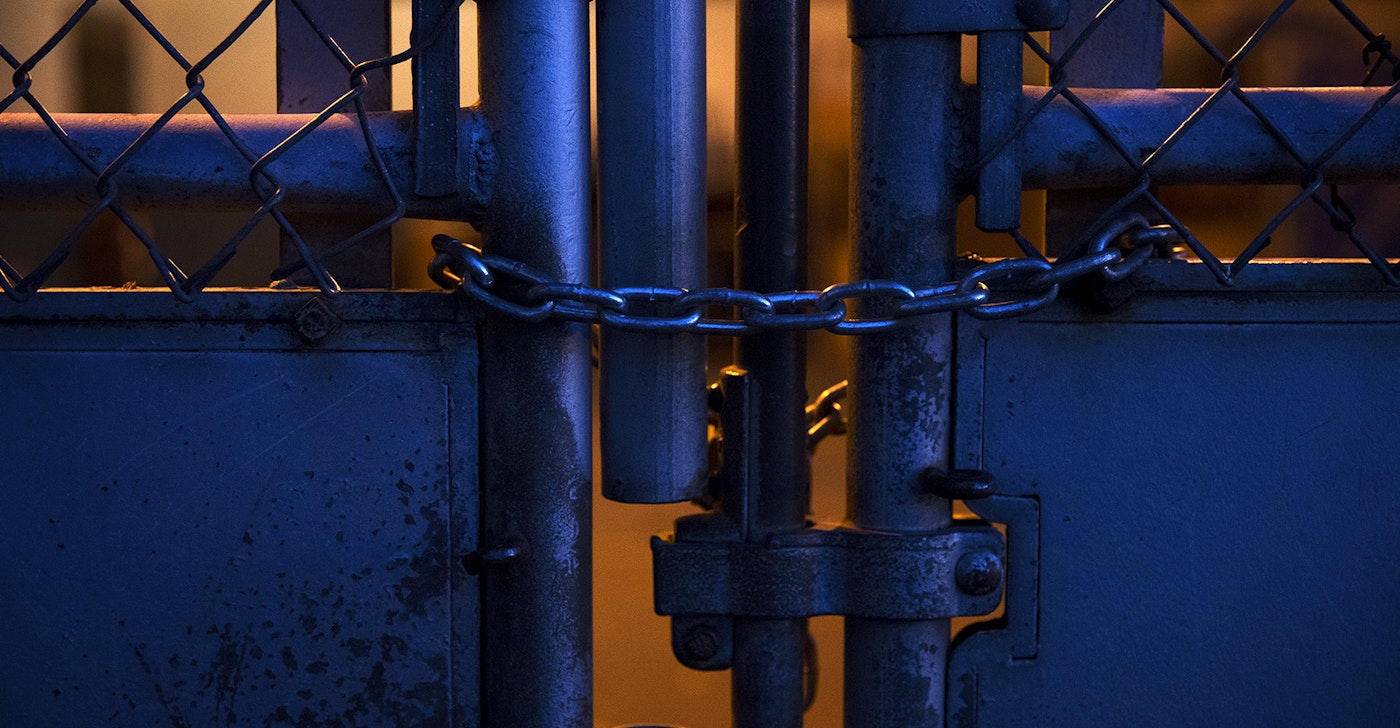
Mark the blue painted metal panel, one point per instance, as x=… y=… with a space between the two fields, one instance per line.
x=1218 y=526
x=264 y=533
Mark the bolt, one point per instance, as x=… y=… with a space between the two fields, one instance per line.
x=1109 y=297
x=701 y=643
x=315 y=321
x=477 y=562
x=963 y=485
x=978 y=573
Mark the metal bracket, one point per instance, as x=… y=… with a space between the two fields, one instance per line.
x=833 y=570
x=873 y=18
x=818 y=571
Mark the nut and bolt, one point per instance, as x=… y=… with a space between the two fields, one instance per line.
x=316 y=321
x=701 y=643
x=979 y=573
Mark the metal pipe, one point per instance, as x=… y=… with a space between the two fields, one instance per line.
x=771 y=255
x=437 y=95
x=767 y=653
x=906 y=95
x=999 y=71
x=1228 y=146
x=536 y=379
x=652 y=207
x=190 y=163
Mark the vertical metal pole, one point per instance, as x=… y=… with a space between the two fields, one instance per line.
x=651 y=144
x=904 y=227
x=437 y=94
x=1124 y=52
x=999 y=71
x=771 y=250
x=536 y=378
x=309 y=78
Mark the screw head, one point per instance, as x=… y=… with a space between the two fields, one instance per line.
x=979 y=573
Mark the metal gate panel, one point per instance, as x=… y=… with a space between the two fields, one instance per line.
x=241 y=512
x=1214 y=477
x=261 y=508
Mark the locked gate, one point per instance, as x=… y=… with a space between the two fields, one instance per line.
x=334 y=501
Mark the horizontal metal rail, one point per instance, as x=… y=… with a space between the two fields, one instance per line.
x=191 y=163
x=1228 y=145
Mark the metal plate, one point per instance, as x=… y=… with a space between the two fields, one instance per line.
x=1219 y=525
x=209 y=521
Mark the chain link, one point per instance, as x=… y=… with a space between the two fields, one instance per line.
x=825 y=417
x=999 y=289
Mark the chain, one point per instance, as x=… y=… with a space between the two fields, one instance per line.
x=993 y=290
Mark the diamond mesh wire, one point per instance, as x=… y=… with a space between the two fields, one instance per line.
x=1378 y=64
x=262 y=180
x=1372 y=48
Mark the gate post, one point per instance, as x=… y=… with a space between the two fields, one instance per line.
x=536 y=564
x=903 y=226
x=770 y=243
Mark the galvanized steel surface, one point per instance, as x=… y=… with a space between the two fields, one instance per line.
x=652 y=207
x=903 y=224
x=189 y=164
x=1240 y=569
x=209 y=521
x=825 y=570
x=437 y=99
x=772 y=50
x=536 y=381
x=1228 y=146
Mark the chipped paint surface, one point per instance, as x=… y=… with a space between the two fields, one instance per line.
x=231 y=538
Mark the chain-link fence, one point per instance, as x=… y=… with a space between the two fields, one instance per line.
x=1229 y=51
x=1128 y=173
x=115 y=167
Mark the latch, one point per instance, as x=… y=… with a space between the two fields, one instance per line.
x=821 y=570
x=707 y=573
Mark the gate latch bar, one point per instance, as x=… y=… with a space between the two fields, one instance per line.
x=832 y=570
